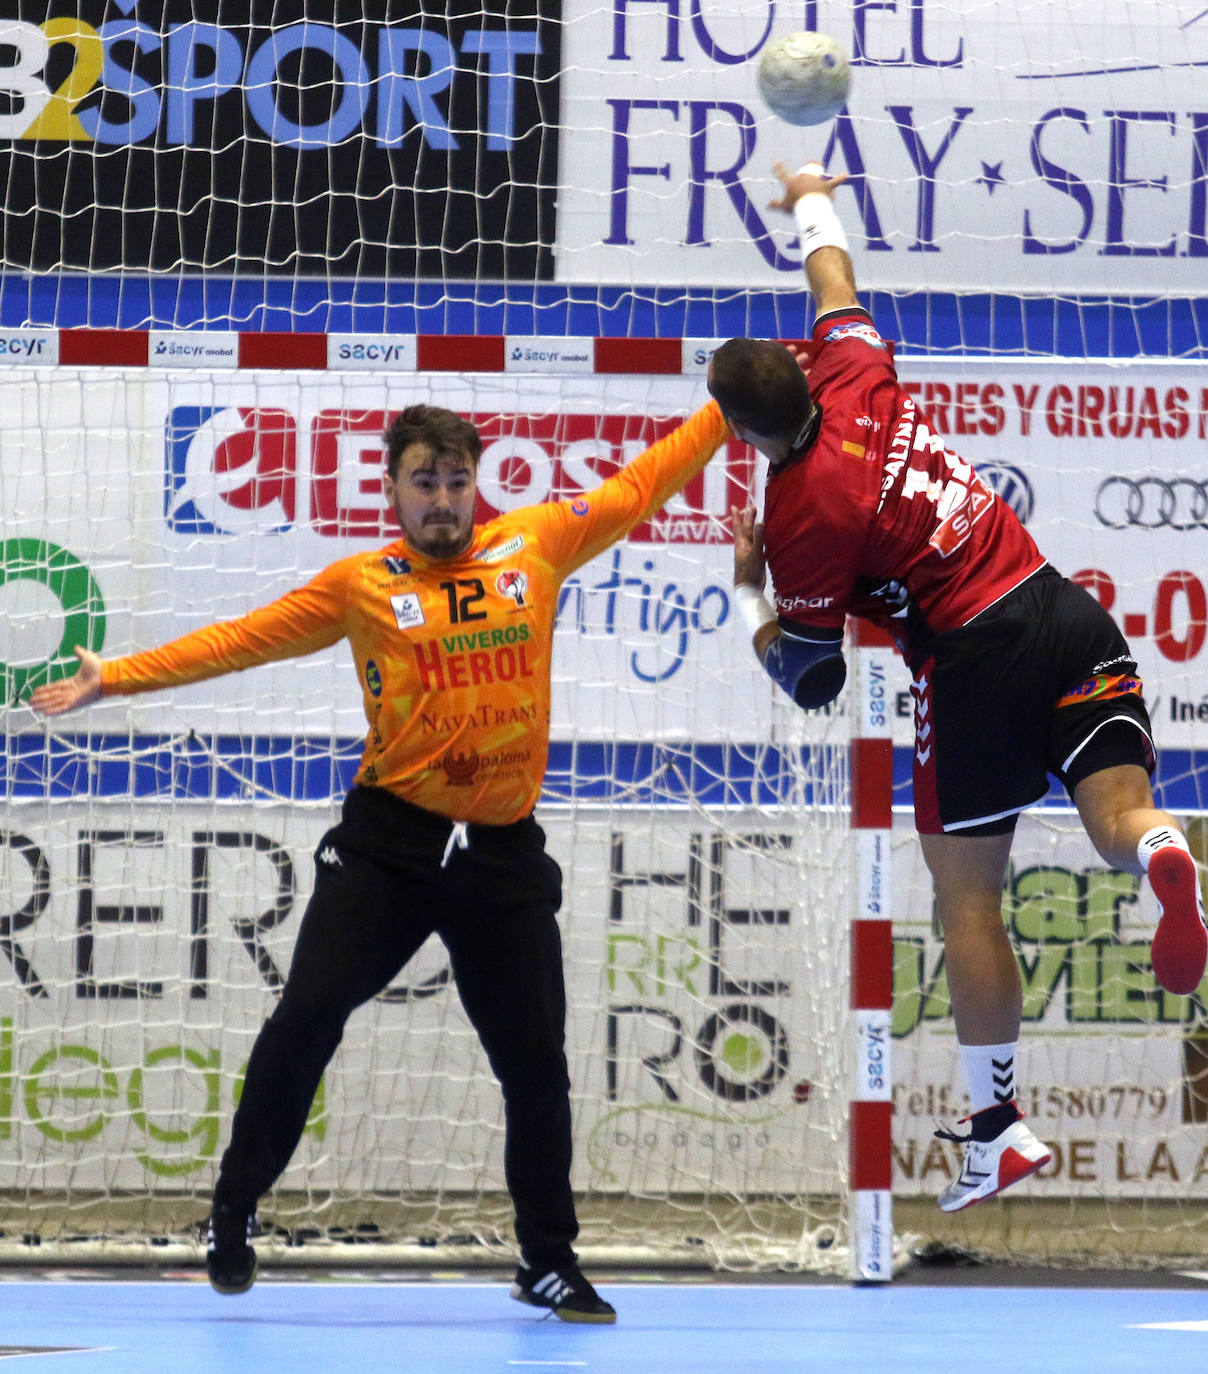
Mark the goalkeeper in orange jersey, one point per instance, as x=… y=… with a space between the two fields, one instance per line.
x=452 y=623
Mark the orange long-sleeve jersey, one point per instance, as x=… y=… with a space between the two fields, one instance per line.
x=453 y=655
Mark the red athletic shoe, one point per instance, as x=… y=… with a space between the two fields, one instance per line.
x=1180 y=943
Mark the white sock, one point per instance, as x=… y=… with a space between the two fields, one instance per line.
x=989 y=1074
x=1158 y=838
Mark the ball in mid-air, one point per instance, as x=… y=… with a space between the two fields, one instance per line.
x=804 y=78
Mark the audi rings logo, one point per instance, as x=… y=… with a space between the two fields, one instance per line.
x=1010 y=485
x=1152 y=503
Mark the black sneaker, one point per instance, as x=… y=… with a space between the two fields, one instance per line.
x=230 y=1259
x=565 y=1292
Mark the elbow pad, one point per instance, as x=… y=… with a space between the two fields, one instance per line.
x=811 y=671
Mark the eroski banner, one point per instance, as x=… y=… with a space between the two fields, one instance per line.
x=190 y=500
x=988 y=147
x=140 y=507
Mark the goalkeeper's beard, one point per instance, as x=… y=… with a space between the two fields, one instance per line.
x=442 y=538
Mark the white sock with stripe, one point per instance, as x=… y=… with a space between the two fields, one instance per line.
x=1158 y=838
x=989 y=1074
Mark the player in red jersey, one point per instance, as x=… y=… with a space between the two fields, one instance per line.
x=1018 y=673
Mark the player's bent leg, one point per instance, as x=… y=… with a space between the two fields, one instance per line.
x=993 y=1162
x=1116 y=807
x=351 y=942
x=1179 y=952
x=283 y=1073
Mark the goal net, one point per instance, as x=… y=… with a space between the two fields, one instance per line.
x=157 y=850
x=230 y=246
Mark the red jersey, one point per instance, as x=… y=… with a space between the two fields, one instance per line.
x=878 y=519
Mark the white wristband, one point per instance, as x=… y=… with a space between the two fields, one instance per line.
x=818 y=224
x=754 y=608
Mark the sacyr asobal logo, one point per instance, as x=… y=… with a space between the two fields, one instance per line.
x=75 y=589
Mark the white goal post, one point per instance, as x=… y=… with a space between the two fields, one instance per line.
x=157 y=851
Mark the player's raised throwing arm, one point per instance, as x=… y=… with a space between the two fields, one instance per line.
x=807 y=196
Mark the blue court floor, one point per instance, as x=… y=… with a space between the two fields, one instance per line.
x=337 y=1327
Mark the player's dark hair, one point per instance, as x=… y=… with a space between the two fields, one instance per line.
x=444 y=432
x=759 y=384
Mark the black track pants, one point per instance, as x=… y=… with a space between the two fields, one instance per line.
x=380 y=891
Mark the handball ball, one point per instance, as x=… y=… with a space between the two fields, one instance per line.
x=804 y=78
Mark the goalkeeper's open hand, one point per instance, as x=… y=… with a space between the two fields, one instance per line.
x=70 y=693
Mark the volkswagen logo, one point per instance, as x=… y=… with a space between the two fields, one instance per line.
x=1152 y=503
x=1010 y=485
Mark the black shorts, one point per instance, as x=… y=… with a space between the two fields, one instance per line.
x=1041 y=682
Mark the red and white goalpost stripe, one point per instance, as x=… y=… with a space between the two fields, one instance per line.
x=871 y=1115
x=364 y=351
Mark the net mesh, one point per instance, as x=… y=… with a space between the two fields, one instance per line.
x=157 y=862
x=1026 y=194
